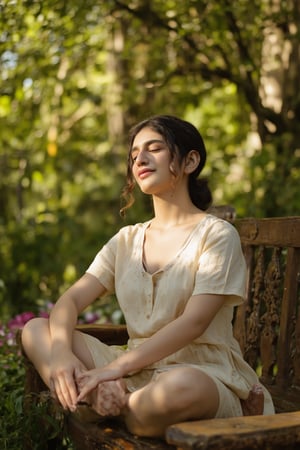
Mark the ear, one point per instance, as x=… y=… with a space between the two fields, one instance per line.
x=191 y=162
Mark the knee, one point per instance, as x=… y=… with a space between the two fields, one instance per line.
x=177 y=385
x=162 y=402
x=184 y=389
x=181 y=379
x=31 y=332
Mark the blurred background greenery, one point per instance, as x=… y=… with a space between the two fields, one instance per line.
x=76 y=75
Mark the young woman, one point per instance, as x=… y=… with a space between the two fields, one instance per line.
x=177 y=278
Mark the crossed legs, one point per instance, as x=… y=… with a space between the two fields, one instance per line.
x=176 y=395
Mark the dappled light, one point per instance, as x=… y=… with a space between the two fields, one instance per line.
x=75 y=76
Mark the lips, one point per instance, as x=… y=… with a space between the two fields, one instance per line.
x=144 y=173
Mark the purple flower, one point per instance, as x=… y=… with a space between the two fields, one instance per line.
x=19 y=320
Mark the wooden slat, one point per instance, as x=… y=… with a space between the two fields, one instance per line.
x=279 y=231
x=239 y=323
x=288 y=316
x=296 y=355
x=110 y=334
x=269 y=319
x=280 y=431
x=285 y=399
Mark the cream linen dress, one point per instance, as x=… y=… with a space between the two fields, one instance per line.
x=210 y=262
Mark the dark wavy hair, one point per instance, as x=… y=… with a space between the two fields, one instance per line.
x=181 y=137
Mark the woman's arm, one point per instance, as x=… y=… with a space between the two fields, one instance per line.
x=63 y=318
x=198 y=314
x=64 y=315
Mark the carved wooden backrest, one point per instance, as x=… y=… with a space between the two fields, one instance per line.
x=267 y=326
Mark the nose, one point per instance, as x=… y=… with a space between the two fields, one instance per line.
x=141 y=158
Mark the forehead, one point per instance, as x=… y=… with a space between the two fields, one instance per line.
x=145 y=136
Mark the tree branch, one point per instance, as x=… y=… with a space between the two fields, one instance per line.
x=244 y=80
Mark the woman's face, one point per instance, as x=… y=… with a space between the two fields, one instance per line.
x=151 y=163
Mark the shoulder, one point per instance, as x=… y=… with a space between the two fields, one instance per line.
x=130 y=232
x=213 y=224
x=216 y=230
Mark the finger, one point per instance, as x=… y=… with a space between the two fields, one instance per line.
x=80 y=373
x=52 y=390
x=71 y=390
x=80 y=377
x=86 y=389
x=58 y=393
x=67 y=392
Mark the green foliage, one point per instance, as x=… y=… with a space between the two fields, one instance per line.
x=11 y=388
x=19 y=423
x=76 y=75
x=29 y=417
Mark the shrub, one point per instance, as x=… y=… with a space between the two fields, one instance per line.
x=21 y=417
x=21 y=423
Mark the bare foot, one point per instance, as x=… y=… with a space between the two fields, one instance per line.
x=109 y=398
x=254 y=404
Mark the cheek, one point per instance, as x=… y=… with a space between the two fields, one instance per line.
x=134 y=172
x=174 y=169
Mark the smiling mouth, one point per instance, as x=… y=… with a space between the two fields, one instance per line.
x=145 y=173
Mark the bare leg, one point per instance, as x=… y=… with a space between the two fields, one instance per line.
x=36 y=341
x=175 y=396
x=179 y=395
x=254 y=404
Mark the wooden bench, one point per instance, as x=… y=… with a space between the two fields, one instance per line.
x=267 y=327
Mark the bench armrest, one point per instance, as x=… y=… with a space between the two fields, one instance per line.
x=270 y=431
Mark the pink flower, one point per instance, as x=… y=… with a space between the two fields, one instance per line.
x=19 y=320
x=90 y=317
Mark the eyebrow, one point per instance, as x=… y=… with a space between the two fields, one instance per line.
x=147 y=143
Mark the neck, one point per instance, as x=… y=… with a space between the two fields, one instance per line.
x=173 y=210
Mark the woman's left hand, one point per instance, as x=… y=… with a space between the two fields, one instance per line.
x=89 y=380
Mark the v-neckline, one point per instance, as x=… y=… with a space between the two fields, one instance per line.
x=173 y=259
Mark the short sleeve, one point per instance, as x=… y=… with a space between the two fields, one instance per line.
x=103 y=265
x=221 y=268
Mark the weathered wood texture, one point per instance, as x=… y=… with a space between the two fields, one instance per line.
x=257 y=432
x=267 y=327
x=109 y=435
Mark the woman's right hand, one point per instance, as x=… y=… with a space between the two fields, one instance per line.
x=64 y=366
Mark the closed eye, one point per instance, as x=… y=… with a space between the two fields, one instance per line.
x=135 y=154
x=156 y=149
x=153 y=145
